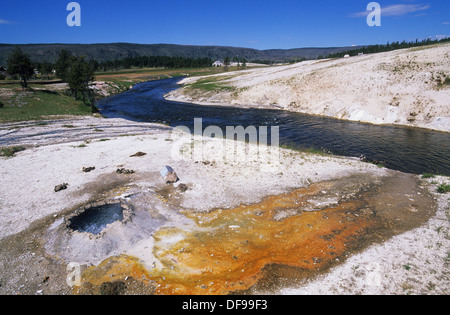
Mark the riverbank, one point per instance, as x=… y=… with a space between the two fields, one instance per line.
x=51 y=99
x=215 y=202
x=405 y=87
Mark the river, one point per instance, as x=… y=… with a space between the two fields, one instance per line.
x=410 y=150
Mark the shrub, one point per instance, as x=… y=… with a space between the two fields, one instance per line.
x=1 y=104
x=10 y=151
x=443 y=189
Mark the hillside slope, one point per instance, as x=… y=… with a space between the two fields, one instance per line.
x=112 y=51
x=405 y=87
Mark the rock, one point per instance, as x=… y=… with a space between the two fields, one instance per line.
x=367 y=212
x=112 y=288
x=138 y=154
x=61 y=187
x=88 y=169
x=169 y=175
x=171 y=178
x=124 y=171
x=183 y=188
x=166 y=170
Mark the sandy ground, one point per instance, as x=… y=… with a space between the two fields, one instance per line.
x=61 y=149
x=401 y=87
x=36 y=247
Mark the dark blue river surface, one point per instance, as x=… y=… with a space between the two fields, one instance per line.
x=410 y=150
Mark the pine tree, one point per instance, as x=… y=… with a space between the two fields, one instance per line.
x=226 y=62
x=80 y=74
x=62 y=65
x=46 y=68
x=20 y=64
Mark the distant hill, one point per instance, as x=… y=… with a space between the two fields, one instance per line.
x=109 y=52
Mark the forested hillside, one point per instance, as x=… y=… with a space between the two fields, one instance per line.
x=116 y=51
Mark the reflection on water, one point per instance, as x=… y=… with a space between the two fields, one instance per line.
x=406 y=149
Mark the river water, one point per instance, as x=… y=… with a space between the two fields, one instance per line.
x=409 y=150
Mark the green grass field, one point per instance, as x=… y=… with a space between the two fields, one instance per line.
x=128 y=77
x=37 y=104
x=212 y=84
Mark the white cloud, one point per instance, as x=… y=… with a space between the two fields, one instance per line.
x=402 y=9
x=445 y=23
x=4 y=21
x=439 y=37
x=397 y=10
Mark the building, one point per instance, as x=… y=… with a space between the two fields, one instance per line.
x=218 y=64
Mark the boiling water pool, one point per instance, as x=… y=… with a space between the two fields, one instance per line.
x=95 y=219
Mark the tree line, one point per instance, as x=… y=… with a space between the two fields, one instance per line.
x=371 y=49
x=77 y=71
x=74 y=70
x=155 y=62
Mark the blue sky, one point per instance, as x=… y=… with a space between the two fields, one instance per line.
x=262 y=24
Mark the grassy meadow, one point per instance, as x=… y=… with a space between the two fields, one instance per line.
x=43 y=100
x=37 y=104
